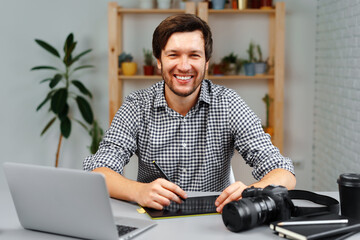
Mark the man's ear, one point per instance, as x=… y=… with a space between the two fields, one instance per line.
x=158 y=64
x=207 y=65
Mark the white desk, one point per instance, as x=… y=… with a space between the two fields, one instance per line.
x=201 y=227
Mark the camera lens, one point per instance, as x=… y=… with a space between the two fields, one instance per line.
x=248 y=213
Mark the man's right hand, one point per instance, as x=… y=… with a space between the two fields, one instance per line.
x=159 y=193
x=156 y=194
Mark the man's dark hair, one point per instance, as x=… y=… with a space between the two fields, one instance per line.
x=181 y=23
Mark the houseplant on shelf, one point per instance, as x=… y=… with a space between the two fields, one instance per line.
x=249 y=65
x=231 y=64
x=267 y=100
x=62 y=85
x=148 y=62
x=128 y=67
x=260 y=64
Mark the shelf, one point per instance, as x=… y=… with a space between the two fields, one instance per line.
x=275 y=82
x=211 y=77
x=237 y=11
x=149 y=11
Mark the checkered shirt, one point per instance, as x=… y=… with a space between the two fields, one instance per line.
x=195 y=150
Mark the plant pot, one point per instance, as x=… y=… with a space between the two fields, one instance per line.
x=163 y=4
x=217 y=70
x=146 y=4
x=249 y=69
x=148 y=70
x=260 y=68
x=129 y=68
x=218 y=4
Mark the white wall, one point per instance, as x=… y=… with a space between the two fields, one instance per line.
x=337 y=98
x=23 y=21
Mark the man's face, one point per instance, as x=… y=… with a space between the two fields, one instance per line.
x=183 y=63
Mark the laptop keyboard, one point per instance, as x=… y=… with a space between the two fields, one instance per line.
x=122 y=229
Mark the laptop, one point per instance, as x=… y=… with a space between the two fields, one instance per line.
x=67 y=202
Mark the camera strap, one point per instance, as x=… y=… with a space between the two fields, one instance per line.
x=329 y=204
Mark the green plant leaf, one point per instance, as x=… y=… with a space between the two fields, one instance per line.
x=43 y=68
x=55 y=80
x=68 y=42
x=85 y=109
x=68 y=57
x=45 y=80
x=48 y=47
x=81 y=87
x=79 y=56
x=48 y=97
x=58 y=100
x=96 y=134
x=82 y=67
x=48 y=126
x=65 y=127
x=64 y=112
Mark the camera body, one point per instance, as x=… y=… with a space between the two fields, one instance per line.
x=257 y=206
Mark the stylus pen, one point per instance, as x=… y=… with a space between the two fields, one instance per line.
x=311 y=222
x=165 y=176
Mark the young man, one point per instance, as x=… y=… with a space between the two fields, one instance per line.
x=189 y=126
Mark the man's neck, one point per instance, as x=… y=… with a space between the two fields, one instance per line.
x=182 y=105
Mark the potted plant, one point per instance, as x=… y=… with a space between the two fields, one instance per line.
x=231 y=64
x=249 y=65
x=148 y=61
x=267 y=100
x=62 y=90
x=260 y=65
x=128 y=67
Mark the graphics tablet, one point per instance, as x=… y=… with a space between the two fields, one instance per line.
x=193 y=206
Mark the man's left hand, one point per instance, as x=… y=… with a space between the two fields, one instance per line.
x=231 y=193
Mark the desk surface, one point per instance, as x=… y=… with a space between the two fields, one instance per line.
x=199 y=227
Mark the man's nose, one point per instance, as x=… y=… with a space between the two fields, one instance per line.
x=184 y=64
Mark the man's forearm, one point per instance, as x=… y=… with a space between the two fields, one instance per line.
x=277 y=176
x=118 y=186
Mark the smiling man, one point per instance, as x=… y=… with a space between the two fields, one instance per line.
x=187 y=125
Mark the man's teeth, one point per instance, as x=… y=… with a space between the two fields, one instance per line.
x=183 y=78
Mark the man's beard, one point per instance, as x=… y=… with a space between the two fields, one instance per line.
x=181 y=94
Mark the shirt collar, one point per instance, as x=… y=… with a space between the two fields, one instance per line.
x=204 y=93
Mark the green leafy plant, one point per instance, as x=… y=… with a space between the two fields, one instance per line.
x=251 y=54
x=148 y=57
x=267 y=100
x=260 y=59
x=125 y=57
x=96 y=134
x=62 y=89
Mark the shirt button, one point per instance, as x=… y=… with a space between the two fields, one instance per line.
x=184 y=145
x=184 y=170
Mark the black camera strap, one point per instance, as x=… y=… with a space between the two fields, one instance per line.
x=329 y=204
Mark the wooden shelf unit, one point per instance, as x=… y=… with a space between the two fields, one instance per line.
x=276 y=52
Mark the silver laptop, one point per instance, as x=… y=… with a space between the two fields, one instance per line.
x=67 y=202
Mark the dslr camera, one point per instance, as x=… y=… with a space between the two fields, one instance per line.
x=258 y=206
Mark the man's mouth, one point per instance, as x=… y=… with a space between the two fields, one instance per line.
x=183 y=78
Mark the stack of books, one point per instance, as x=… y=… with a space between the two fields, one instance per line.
x=319 y=226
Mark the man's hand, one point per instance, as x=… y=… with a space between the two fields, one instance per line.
x=156 y=194
x=159 y=193
x=231 y=193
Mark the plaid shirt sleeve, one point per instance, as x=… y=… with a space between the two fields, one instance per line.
x=253 y=144
x=119 y=142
